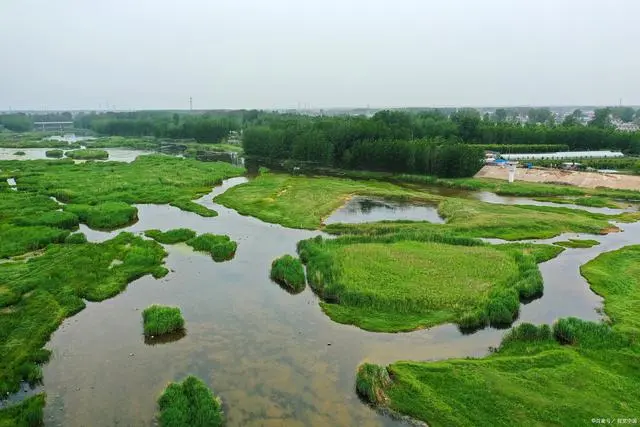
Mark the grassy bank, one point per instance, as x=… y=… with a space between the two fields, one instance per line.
x=221 y=247
x=289 y=273
x=38 y=294
x=302 y=202
x=188 y=404
x=403 y=282
x=87 y=154
x=565 y=375
x=161 y=320
x=616 y=277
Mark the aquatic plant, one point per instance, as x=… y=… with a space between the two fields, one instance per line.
x=159 y=320
x=171 y=237
x=76 y=238
x=190 y=404
x=56 y=154
x=288 y=272
x=19 y=153
x=576 y=243
x=221 y=247
x=37 y=295
x=105 y=216
x=87 y=154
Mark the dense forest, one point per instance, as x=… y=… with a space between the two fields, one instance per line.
x=446 y=143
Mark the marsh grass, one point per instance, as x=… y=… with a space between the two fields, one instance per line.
x=19 y=153
x=288 y=272
x=539 y=375
x=401 y=282
x=303 y=202
x=190 y=404
x=154 y=179
x=171 y=237
x=76 y=239
x=28 y=413
x=56 y=154
x=221 y=247
x=40 y=293
x=577 y=243
x=87 y=154
x=105 y=216
x=160 y=320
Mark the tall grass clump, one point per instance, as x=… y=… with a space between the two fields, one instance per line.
x=576 y=243
x=371 y=381
x=76 y=239
x=190 y=404
x=55 y=219
x=56 y=154
x=28 y=413
x=105 y=216
x=221 y=247
x=160 y=320
x=171 y=237
x=288 y=272
x=88 y=154
x=19 y=153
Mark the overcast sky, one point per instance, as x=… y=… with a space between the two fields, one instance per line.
x=133 y=54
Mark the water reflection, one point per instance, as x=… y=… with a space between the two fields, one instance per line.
x=115 y=154
x=367 y=209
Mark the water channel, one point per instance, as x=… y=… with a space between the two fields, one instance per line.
x=274 y=358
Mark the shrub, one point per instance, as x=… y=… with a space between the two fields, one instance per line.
x=289 y=272
x=190 y=404
x=159 y=320
x=76 y=239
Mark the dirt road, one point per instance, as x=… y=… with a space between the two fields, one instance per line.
x=579 y=179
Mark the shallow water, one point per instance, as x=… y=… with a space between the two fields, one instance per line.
x=368 y=209
x=12 y=184
x=115 y=154
x=275 y=359
x=489 y=197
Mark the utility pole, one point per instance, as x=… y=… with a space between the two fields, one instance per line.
x=190 y=103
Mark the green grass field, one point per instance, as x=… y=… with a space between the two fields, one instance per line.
x=190 y=404
x=566 y=375
x=159 y=320
x=155 y=179
x=303 y=202
x=397 y=283
x=616 y=277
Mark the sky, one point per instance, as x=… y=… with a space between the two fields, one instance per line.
x=155 y=54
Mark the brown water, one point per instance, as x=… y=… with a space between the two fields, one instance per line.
x=275 y=359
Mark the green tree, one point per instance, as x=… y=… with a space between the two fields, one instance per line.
x=573 y=119
x=602 y=118
x=468 y=122
x=500 y=115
